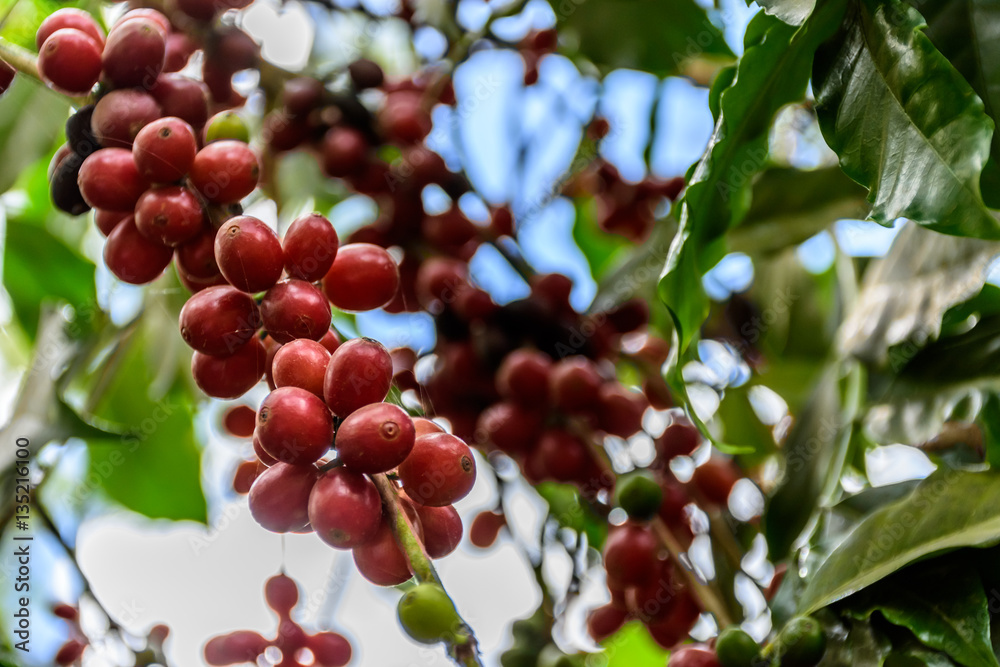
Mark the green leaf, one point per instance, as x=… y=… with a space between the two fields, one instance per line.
x=852 y=643
x=569 y=509
x=906 y=294
x=792 y=205
x=898 y=115
x=31 y=125
x=154 y=467
x=773 y=72
x=632 y=646
x=953 y=618
x=965 y=31
x=792 y=12
x=662 y=36
x=37 y=266
x=917 y=657
x=947 y=510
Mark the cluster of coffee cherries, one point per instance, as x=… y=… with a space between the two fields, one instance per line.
x=297 y=647
x=801 y=643
x=72 y=650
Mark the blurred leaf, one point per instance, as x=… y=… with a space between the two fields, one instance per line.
x=897 y=113
x=965 y=31
x=989 y=424
x=632 y=646
x=792 y=205
x=905 y=295
x=600 y=248
x=948 y=380
x=31 y=126
x=949 y=509
x=792 y=12
x=154 y=467
x=852 y=642
x=570 y=510
x=661 y=35
x=917 y=656
x=302 y=188
x=772 y=73
x=953 y=618
x=38 y=266
x=741 y=425
x=814 y=454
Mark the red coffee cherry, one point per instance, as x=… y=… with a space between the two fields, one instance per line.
x=182 y=97
x=439 y=470
x=294 y=426
x=219 y=320
x=225 y=172
x=605 y=621
x=295 y=309
x=164 y=150
x=301 y=363
x=310 y=246
x=359 y=373
x=375 y=438
x=523 y=377
x=232 y=376
x=248 y=253
x=574 y=385
x=511 y=428
x=108 y=179
x=279 y=497
x=715 y=479
x=380 y=560
x=281 y=593
x=343 y=152
x=134 y=53
x=245 y=474
x=121 y=114
x=630 y=556
x=345 y=509
x=330 y=649
x=237 y=647
x=486 y=528
x=70 y=61
x=442 y=527
x=363 y=277
x=68 y=17
x=239 y=421
x=170 y=215
x=133 y=258
x=681 y=438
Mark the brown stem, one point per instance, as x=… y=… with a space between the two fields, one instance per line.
x=709 y=600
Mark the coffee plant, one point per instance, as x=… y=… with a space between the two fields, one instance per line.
x=744 y=415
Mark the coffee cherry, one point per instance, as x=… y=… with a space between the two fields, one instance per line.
x=630 y=556
x=68 y=17
x=179 y=49
x=197 y=256
x=248 y=253
x=375 y=438
x=442 y=527
x=801 y=643
x=301 y=363
x=365 y=73
x=439 y=470
x=657 y=599
x=106 y=220
x=69 y=652
x=674 y=627
x=159 y=20
x=681 y=438
x=343 y=152
x=715 y=479
x=424 y=426
x=511 y=428
x=359 y=373
x=108 y=179
x=225 y=172
x=239 y=421
x=279 y=497
x=121 y=114
x=244 y=476
x=281 y=593
x=363 y=277
x=295 y=309
x=639 y=494
x=79 y=134
x=331 y=341
x=441 y=279
x=170 y=215
x=70 y=61
x=330 y=649
x=427 y=614
x=182 y=98
x=380 y=560
x=132 y=257
x=345 y=509
x=605 y=621
x=232 y=376
x=620 y=412
x=294 y=426
x=262 y=456
x=735 y=648
x=574 y=385
x=66 y=611
x=486 y=528
x=219 y=320
x=164 y=150
x=403 y=119
x=235 y=648
x=310 y=246
x=64 y=186
x=562 y=454
x=134 y=53
x=226 y=125
x=693 y=656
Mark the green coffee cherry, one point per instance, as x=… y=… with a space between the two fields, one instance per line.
x=735 y=648
x=639 y=494
x=427 y=614
x=801 y=642
x=226 y=125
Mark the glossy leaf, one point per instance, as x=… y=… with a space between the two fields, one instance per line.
x=792 y=12
x=853 y=642
x=904 y=122
x=661 y=35
x=773 y=72
x=949 y=509
x=952 y=618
